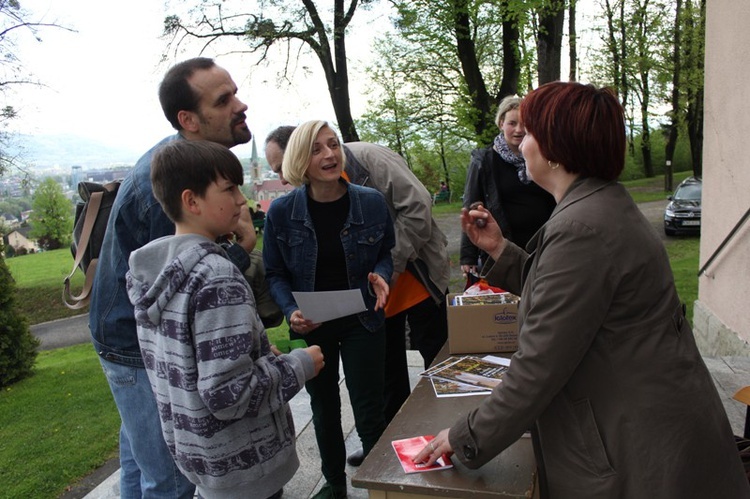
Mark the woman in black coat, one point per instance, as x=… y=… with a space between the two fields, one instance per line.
x=497 y=178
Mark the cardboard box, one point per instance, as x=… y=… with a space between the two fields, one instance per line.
x=482 y=328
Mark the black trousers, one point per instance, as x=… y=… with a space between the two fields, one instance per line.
x=428 y=331
x=362 y=354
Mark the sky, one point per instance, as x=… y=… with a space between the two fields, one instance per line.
x=101 y=80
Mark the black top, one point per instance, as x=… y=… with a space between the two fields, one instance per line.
x=328 y=219
x=526 y=206
x=520 y=209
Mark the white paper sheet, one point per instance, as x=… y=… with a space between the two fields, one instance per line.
x=321 y=306
x=497 y=360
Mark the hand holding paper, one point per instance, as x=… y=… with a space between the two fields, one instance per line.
x=321 y=306
x=300 y=324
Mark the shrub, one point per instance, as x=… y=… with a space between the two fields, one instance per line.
x=17 y=345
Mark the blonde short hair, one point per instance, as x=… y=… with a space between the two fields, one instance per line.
x=298 y=151
x=509 y=103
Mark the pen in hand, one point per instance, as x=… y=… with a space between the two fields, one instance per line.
x=479 y=222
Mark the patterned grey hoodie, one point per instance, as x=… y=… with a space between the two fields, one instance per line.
x=222 y=394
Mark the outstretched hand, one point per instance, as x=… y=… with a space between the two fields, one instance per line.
x=381 y=289
x=483 y=231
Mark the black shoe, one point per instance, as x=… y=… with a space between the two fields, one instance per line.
x=329 y=491
x=356 y=458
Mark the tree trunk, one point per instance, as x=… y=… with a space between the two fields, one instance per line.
x=617 y=48
x=624 y=82
x=511 y=58
x=339 y=91
x=695 y=131
x=695 y=54
x=613 y=47
x=470 y=66
x=644 y=72
x=572 y=42
x=446 y=173
x=675 y=113
x=648 y=165
x=549 y=41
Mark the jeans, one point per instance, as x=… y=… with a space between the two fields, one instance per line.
x=363 y=357
x=428 y=331
x=147 y=469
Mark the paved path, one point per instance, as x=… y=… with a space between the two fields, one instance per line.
x=308 y=479
x=62 y=332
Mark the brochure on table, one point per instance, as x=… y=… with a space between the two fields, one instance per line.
x=459 y=376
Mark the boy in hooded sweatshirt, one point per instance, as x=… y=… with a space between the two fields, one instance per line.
x=222 y=390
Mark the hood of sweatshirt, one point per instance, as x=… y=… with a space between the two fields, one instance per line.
x=159 y=269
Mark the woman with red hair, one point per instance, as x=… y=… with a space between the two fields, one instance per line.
x=607 y=374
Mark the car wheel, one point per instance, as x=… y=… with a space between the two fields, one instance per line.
x=670 y=232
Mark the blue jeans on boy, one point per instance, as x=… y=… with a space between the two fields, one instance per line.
x=147 y=469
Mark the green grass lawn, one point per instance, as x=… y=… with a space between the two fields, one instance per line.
x=61 y=424
x=39 y=281
x=652 y=189
x=56 y=426
x=683 y=256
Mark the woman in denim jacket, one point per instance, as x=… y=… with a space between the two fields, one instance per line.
x=331 y=235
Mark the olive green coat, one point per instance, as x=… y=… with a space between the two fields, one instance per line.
x=607 y=367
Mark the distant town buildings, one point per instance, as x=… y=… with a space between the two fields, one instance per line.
x=76 y=175
x=101 y=176
x=263 y=186
x=18 y=240
x=269 y=189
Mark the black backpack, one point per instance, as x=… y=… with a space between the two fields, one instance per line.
x=90 y=223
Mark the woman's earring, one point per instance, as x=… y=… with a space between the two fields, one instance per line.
x=553 y=166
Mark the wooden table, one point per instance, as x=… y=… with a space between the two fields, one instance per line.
x=512 y=474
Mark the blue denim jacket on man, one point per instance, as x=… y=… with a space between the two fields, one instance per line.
x=290 y=248
x=136 y=218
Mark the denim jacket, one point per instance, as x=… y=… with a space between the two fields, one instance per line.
x=290 y=248
x=136 y=218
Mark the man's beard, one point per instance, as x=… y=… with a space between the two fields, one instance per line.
x=241 y=135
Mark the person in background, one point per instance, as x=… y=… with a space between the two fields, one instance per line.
x=224 y=406
x=607 y=372
x=421 y=268
x=497 y=178
x=199 y=100
x=326 y=235
x=259 y=214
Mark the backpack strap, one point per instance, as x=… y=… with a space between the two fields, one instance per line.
x=82 y=299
